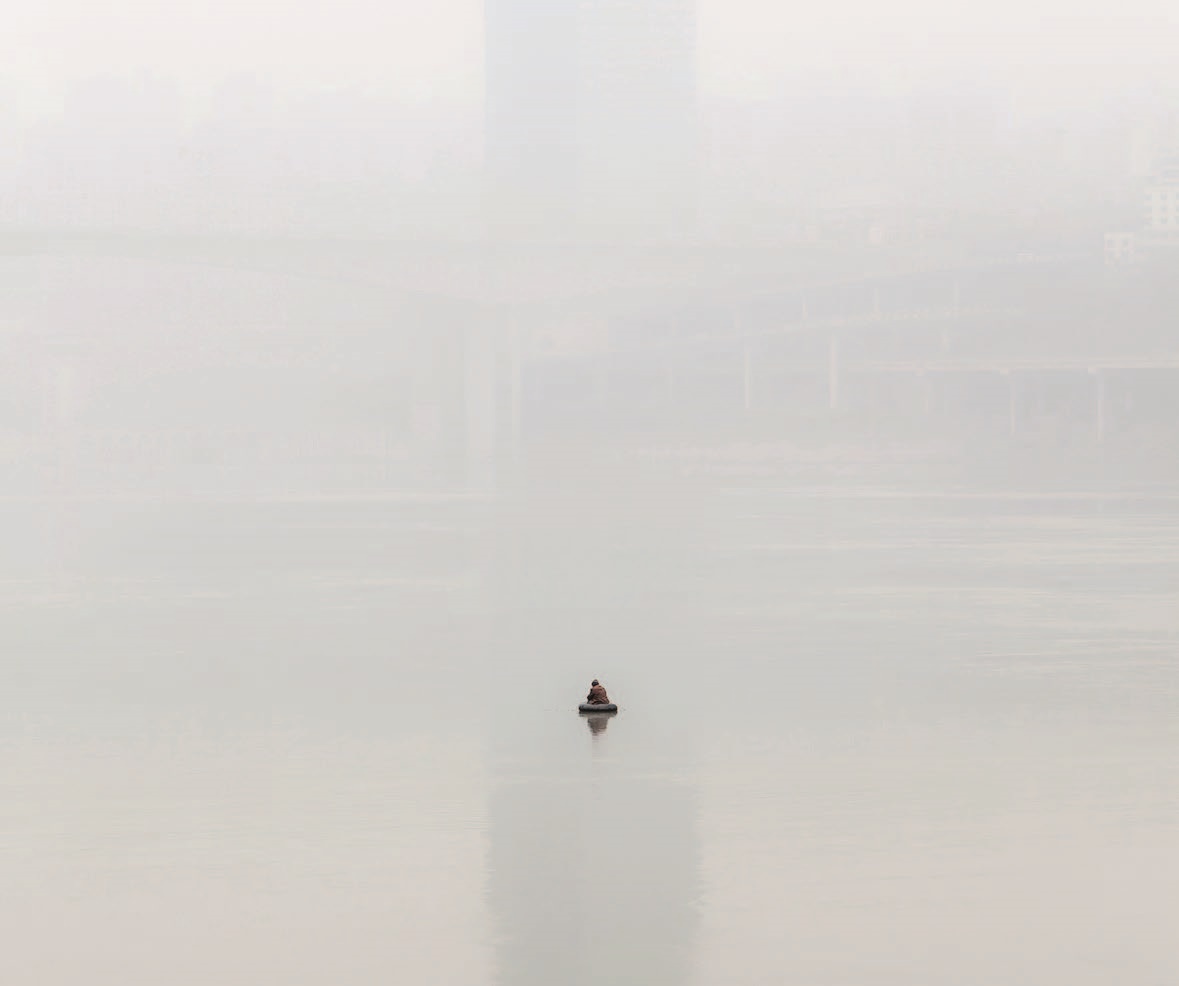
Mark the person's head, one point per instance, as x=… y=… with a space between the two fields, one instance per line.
x=594 y=682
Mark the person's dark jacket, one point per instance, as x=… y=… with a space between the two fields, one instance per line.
x=597 y=696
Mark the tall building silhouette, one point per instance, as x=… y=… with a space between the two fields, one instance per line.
x=591 y=117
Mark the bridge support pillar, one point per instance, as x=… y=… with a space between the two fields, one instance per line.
x=601 y=384
x=59 y=406
x=929 y=393
x=833 y=374
x=747 y=376
x=1099 y=422
x=1012 y=403
x=59 y=395
x=515 y=387
x=479 y=407
x=427 y=431
x=465 y=415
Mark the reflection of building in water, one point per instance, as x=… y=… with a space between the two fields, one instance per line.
x=593 y=879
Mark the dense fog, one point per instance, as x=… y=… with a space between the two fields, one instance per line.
x=373 y=377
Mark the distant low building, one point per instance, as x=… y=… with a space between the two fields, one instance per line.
x=1161 y=202
x=1121 y=248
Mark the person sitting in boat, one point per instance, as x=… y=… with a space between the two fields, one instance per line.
x=597 y=694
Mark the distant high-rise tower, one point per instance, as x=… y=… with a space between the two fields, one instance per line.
x=591 y=117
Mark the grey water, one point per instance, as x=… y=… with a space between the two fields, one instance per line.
x=863 y=739
x=374 y=375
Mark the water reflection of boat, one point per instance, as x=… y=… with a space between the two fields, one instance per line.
x=597 y=724
x=598 y=709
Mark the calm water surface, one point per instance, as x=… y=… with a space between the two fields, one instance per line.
x=864 y=740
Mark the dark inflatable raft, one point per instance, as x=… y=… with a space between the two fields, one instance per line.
x=597 y=708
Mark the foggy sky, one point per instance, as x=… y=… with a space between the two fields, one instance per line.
x=365 y=116
x=1051 y=53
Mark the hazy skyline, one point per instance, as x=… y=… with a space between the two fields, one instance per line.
x=1053 y=55
x=362 y=117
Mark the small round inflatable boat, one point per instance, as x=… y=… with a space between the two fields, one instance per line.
x=597 y=708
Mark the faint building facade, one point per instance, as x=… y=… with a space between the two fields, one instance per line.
x=1161 y=201
x=591 y=118
x=1160 y=187
x=1120 y=248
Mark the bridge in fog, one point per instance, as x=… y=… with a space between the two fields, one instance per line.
x=477 y=355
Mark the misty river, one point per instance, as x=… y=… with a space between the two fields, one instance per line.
x=909 y=740
x=375 y=376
